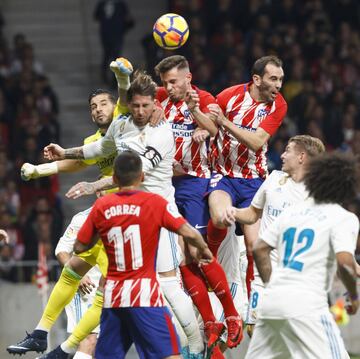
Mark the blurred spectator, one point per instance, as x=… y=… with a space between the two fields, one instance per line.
x=319 y=42
x=114 y=21
x=16 y=242
x=28 y=121
x=7 y=263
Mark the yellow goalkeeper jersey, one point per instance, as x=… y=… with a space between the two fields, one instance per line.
x=105 y=164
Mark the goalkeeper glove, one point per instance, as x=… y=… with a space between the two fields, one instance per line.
x=29 y=171
x=122 y=69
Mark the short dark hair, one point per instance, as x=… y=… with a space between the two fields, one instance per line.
x=142 y=85
x=332 y=178
x=170 y=62
x=127 y=168
x=101 y=92
x=313 y=146
x=260 y=64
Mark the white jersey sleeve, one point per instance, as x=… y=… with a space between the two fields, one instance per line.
x=104 y=146
x=160 y=145
x=66 y=242
x=272 y=233
x=344 y=236
x=260 y=196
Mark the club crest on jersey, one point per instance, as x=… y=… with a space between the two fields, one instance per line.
x=262 y=113
x=188 y=118
x=122 y=126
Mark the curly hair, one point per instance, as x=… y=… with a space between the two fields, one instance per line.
x=332 y=178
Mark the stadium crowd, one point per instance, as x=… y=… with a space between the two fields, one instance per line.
x=319 y=42
x=30 y=212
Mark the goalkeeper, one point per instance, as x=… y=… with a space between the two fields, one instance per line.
x=103 y=109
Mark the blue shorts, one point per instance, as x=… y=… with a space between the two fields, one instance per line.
x=190 y=199
x=149 y=328
x=241 y=190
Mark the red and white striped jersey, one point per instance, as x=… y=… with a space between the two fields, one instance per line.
x=232 y=158
x=129 y=224
x=190 y=158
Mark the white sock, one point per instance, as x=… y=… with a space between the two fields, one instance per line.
x=67 y=349
x=81 y=355
x=182 y=307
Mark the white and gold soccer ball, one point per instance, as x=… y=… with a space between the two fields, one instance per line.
x=170 y=31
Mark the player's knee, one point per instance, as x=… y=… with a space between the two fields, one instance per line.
x=87 y=346
x=170 y=273
x=78 y=265
x=217 y=221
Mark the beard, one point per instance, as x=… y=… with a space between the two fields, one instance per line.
x=265 y=92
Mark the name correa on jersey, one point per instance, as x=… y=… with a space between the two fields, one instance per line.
x=129 y=224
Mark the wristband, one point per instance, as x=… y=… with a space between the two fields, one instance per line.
x=123 y=81
x=47 y=169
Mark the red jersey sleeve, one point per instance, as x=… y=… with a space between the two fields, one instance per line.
x=170 y=219
x=273 y=121
x=161 y=94
x=205 y=99
x=223 y=97
x=88 y=229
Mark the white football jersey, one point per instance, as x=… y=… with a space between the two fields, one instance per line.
x=307 y=237
x=279 y=191
x=155 y=145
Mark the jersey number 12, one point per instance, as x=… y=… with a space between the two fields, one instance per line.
x=305 y=236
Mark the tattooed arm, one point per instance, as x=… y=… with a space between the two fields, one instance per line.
x=88 y=188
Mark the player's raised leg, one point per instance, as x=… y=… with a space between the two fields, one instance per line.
x=61 y=295
x=169 y=257
x=219 y=200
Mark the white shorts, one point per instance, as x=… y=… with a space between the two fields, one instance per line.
x=314 y=336
x=169 y=253
x=66 y=242
x=81 y=303
x=232 y=257
x=238 y=298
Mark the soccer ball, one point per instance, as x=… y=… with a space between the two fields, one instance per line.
x=170 y=31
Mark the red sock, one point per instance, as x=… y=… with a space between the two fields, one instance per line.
x=196 y=287
x=215 y=236
x=215 y=276
x=249 y=273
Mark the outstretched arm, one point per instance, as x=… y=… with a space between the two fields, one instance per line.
x=30 y=171
x=262 y=259
x=347 y=274
x=253 y=140
x=203 y=120
x=193 y=237
x=248 y=215
x=122 y=69
x=54 y=152
x=89 y=188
